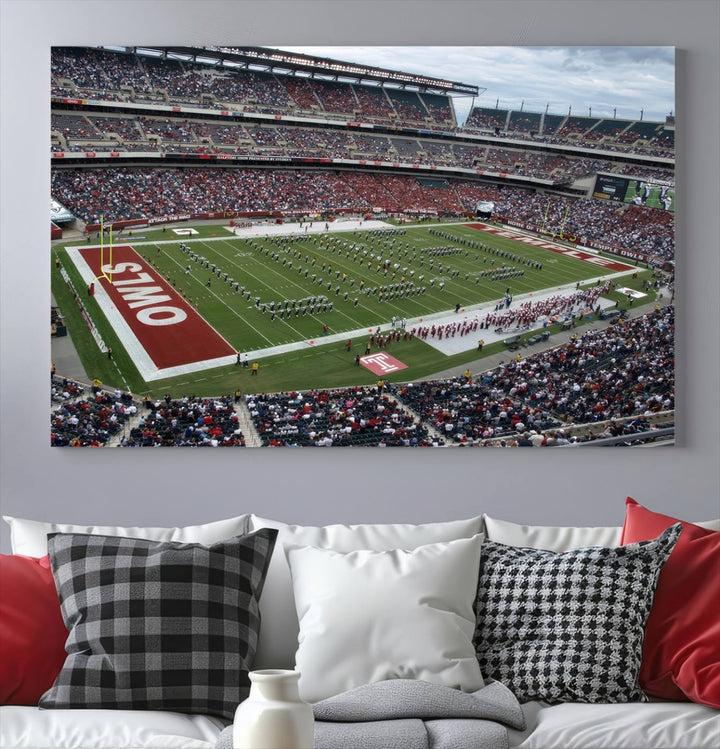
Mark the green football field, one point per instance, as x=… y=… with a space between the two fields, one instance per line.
x=286 y=289
x=368 y=278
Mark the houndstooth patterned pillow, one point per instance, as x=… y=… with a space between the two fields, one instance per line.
x=157 y=625
x=567 y=627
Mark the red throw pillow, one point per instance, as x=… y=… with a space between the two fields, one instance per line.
x=32 y=632
x=681 y=650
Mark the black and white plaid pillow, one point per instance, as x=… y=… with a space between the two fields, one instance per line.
x=158 y=625
x=567 y=627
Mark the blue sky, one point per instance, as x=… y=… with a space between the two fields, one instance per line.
x=627 y=79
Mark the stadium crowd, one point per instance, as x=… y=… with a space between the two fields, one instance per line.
x=188 y=422
x=648 y=138
x=80 y=133
x=346 y=417
x=86 y=422
x=116 y=76
x=604 y=375
x=126 y=193
x=614 y=379
x=95 y=74
x=647 y=230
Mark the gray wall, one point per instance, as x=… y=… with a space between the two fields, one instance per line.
x=180 y=487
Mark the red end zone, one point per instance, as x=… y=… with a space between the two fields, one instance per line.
x=588 y=257
x=169 y=330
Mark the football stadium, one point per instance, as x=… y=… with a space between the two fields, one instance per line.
x=253 y=247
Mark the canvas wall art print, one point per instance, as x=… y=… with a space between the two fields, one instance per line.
x=362 y=246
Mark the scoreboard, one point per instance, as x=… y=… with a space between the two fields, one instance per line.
x=610 y=187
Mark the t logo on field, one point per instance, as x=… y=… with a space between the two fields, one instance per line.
x=381 y=363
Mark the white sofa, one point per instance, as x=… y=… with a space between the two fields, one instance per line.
x=636 y=725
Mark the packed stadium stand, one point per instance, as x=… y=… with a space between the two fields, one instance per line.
x=583 y=382
x=80 y=421
x=148 y=133
x=572 y=394
x=126 y=193
x=135 y=105
x=190 y=422
x=346 y=417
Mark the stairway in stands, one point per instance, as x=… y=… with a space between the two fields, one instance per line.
x=245 y=422
x=252 y=438
x=433 y=432
x=132 y=423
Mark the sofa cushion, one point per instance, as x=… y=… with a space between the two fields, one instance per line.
x=30 y=728
x=681 y=651
x=560 y=537
x=567 y=626
x=368 y=616
x=550 y=537
x=647 y=725
x=279 y=634
x=157 y=625
x=32 y=632
x=671 y=725
x=29 y=537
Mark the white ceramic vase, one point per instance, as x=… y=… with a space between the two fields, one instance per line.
x=274 y=716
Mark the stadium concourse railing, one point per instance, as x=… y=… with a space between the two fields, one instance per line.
x=654 y=438
x=662 y=421
x=231 y=114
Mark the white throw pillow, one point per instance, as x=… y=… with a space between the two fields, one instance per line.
x=711 y=525
x=559 y=538
x=29 y=537
x=367 y=616
x=279 y=628
x=550 y=537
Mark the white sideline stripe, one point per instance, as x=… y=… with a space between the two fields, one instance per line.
x=318 y=227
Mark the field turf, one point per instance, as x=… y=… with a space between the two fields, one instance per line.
x=280 y=270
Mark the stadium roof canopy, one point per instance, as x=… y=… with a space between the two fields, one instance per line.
x=292 y=63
